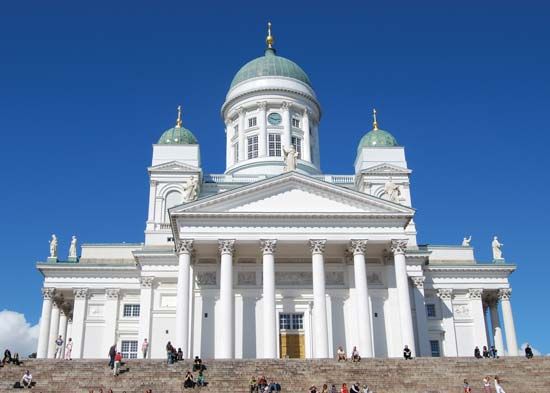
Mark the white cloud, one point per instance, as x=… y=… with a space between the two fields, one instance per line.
x=17 y=334
x=536 y=352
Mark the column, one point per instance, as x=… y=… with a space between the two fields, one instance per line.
x=269 y=321
x=226 y=333
x=509 y=327
x=152 y=200
x=359 y=247
x=69 y=328
x=480 y=336
x=45 y=317
x=262 y=136
x=63 y=328
x=242 y=141
x=228 y=142
x=449 y=343
x=185 y=249
x=497 y=331
x=306 y=145
x=320 y=327
x=316 y=153
x=79 y=318
x=421 y=317
x=54 y=329
x=486 y=321
x=111 y=316
x=402 y=283
x=287 y=125
x=145 y=308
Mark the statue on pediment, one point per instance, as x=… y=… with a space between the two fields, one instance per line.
x=497 y=248
x=291 y=158
x=72 y=247
x=53 y=247
x=392 y=191
x=191 y=189
x=466 y=241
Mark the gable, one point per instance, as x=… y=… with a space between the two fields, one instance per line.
x=293 y=193
x=173 y=166
x=386 y=169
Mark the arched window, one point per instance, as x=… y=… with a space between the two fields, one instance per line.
x=173 y=198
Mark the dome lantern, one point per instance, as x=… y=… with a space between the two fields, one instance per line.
x=377 y=137
x=177 y=135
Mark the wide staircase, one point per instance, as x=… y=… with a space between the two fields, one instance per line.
x=423 y=375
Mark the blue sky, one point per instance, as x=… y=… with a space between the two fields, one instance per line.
x=86 y=88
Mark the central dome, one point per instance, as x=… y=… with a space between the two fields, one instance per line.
x=270 y=65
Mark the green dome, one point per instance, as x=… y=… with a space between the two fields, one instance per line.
x=270 y=65
x=177 y=136
x=377 y=138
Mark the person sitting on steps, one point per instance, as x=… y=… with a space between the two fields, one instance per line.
x=407 y=354
x=355 y=355
x=26 y=381
x=341 y=354
x=252 y=384
x=201 y=380
x=477 y=353
x=528 y=352
x=188 y=382
x=180 y=354
x=485 y=352
x=355 y=388
x=197 y=364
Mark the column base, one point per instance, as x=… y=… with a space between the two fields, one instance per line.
x=52 y=260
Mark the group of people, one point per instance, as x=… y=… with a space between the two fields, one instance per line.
x=354 y=388
x=59 y=352
x=492 y=352
x=200 y=381
x=486 y=385
x=172 y=355
x=115 y=360
x=263 y=385
x=341 y=355
x=8 y=358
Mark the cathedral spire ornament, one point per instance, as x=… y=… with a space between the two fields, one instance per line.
x=178 y=120
x=374 y=123
x=269 y=40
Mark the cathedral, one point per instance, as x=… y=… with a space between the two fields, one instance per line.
x=273 y=258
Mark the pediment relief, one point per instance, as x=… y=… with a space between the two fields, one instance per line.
x=386 y=169
x=293 y=193
x=173 y=166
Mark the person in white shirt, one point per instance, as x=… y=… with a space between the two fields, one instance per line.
x=498 y=388
x=58 y=348
x=27 y=379
x=341 y=354
x=68 y=349
x=144 y=348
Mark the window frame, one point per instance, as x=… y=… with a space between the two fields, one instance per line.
x=431 y=307
x=129 y=352
x=236 y=152
x=252 y=147
x=297 y=143
x=252 y=122
x=134 y=310
x=435 y=352
x=296 y=122
x=274 y=145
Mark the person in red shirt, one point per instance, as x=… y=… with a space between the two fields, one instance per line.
x=344 y=388
x=118 y=360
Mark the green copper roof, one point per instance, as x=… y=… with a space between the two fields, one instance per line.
x=177 y=136
x=270 y=65
x=377 y=138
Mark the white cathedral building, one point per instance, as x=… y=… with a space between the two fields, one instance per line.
x=273 y=258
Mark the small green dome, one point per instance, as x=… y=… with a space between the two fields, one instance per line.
x=177 y=136
x=377 y=138
x=270 y=65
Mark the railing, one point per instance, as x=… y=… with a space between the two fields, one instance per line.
x=221 y=178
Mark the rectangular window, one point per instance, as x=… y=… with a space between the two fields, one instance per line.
x=252 y=146
x=131 y=310
x=430 y=311
x=284 y=321
x=295 y=123
x=236 y=152
x=434 y=345
x=291 y=321
x=297 y=143
x=129 y=349
x=297 y=321
x=252 y=122
x=236 y=128
x=274 y=145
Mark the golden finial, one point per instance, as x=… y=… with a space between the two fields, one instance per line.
x=178 y=120
x=269 y=40
x=374 y=123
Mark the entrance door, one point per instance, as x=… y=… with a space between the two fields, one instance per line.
x=291 y=336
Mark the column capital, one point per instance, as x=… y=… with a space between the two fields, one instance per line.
x=184 y=246
x=112 y=293
x=285 y=105
x=240 y=111
x=504 y=294
x=262 y=105
x=80 y=293
x=317 y=246
x=398 y=246
x=48 y=293
x=268 y=246
x=226 y=246
x=475 y=293
x=418 y=281
x=358 y=246
x=146 y=282
x=306 y=112
x=445 y=294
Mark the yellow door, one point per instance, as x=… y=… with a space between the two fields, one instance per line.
x=292 y=345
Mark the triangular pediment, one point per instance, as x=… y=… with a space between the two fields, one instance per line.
x=173 y=166
x=293 y=193
x=386 y=169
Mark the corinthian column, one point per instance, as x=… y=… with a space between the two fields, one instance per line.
x=320 y=328
x=241 y=138
x=45 y=317
x=421 y=318
x=226 y=332
x=270 y=321
x=185 y=249
x=306 y=148
x=262 y=135
x=287 y=125
x=145 y=303
x=54 y=329
x=402 y=282
x=449 y=343
x=79 y=317
x=359 y=247
x=508 y=318
x=478 y=315
x=495 y=322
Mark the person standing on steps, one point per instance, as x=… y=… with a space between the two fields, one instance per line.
x=112 y=354
x=118 y=361
x=498 y=387
x=467 y=388
x=144 y=348
x=68 y=349
x=487 y=384
x=58 y=348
